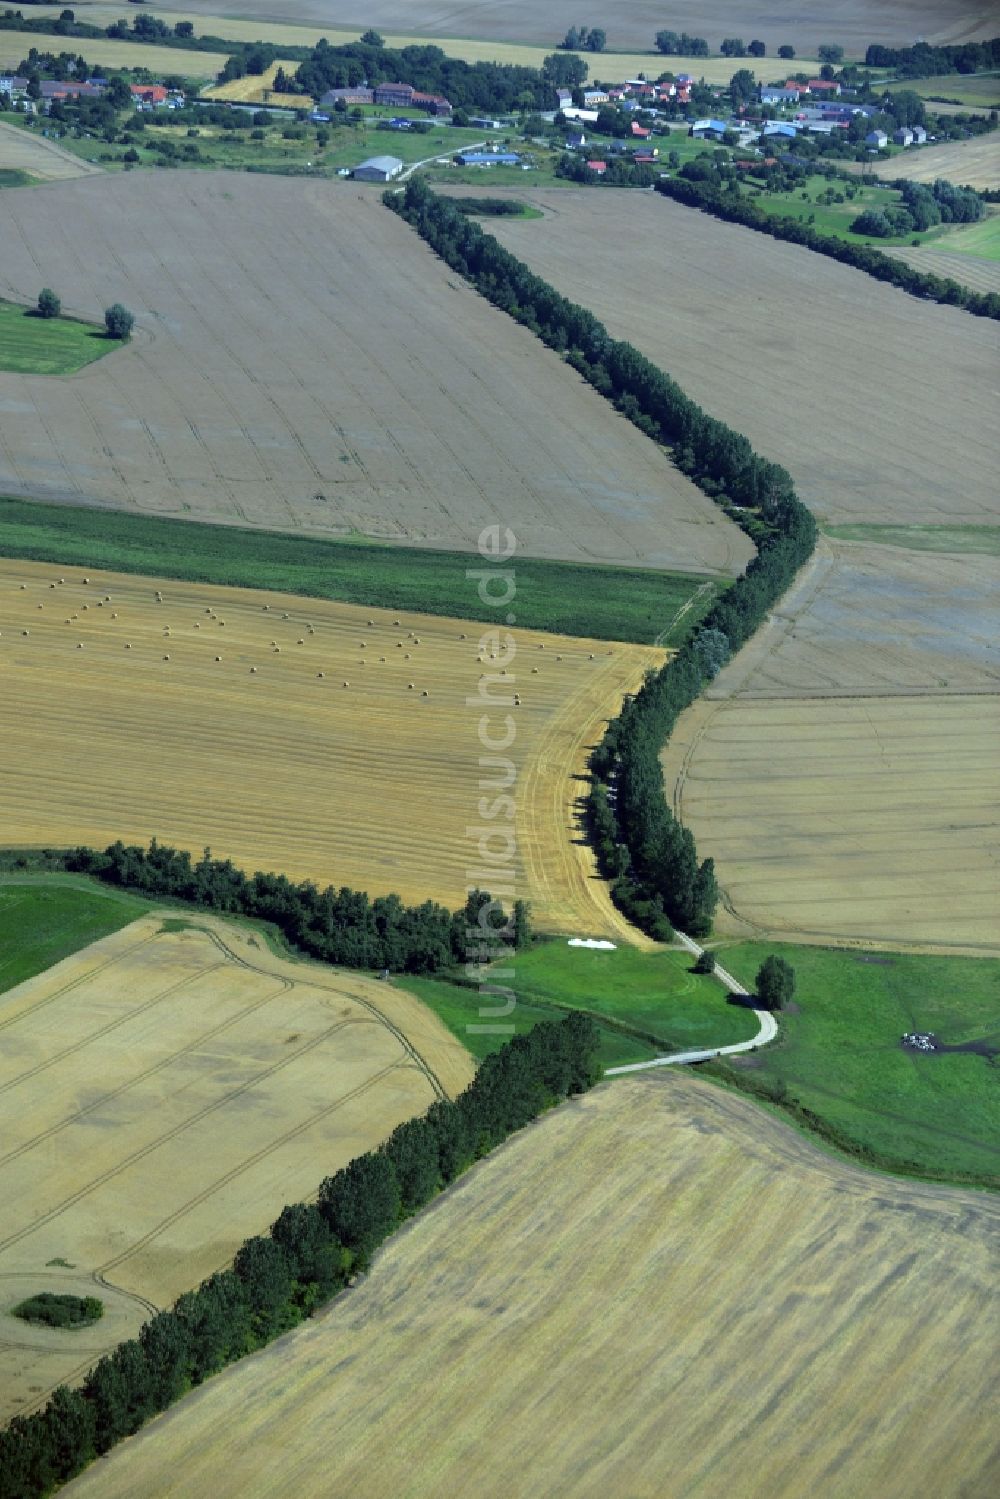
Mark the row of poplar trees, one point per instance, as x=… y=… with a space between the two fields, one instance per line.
x=650 y=858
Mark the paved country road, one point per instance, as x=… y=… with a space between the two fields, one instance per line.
x=767 y=1027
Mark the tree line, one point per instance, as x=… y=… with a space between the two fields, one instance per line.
x=715 y=194
x=648 y=855
x=312 y=1251
x=925 y=61
x=342 y=926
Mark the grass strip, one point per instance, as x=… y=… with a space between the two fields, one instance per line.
x=604 y=603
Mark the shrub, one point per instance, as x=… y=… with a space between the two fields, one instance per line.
x=118 y=321
x=49 y=304
x=53 y=1310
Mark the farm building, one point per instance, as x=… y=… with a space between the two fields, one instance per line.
x=783 y=129
x=348 y=96
x=488 y=159
x=785 y=95
x=379 y=169
x=148 y=93
x=394 y=93
x=903 y=136
x=708 y=130
x=919 y=135
x=876 y=139
x=823 y=86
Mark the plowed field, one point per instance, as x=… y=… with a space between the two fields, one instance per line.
x=302 y=361
x=167 y=1090
x=657 y=1290
x=330 y=742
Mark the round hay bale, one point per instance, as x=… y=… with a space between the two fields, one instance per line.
x=558 y=658
x=222 y=623
x=67 y=621
x=23 y=587
x=320 y=674
x=25 y=632
x=266 y=608
x=79 y=645
x=371 y=623
x=534 y=671
x=41 y=606
x=127 y=646
x=276 y=651
x=114 y=616
x=86 y=580
x=395 y=621
x=253 y=671
x=52 y=585
x=300 y=641
x=86 y=606
x=399 y=645
x=407 y=656
x=62 y=580
x=347 y=684
x=218 y=658
x=107 y=598
x=410 y=686
x=592 y=657
x=425 y=693
x=286 y=616
x=197 y=625
x=461 y=637
x=166 y=658
x=382 y=660
x=362 y=644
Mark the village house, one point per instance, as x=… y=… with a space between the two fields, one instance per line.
x=780 y=95
x=903 y=136
x=828 y=86
x=876 y=139
x=597 y=167
x=355 y=95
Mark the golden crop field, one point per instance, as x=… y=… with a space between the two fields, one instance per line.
x=111 y=54
x=258 y=88
x=167 y=1090
x=329 y=742
x=842 y=769
x=22 y=151
x=302 y=361
x=974 y=163
x=656 y=1290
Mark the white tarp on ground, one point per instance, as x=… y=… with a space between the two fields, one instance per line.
x=591 y=942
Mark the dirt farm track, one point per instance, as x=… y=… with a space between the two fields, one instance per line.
x=167 y=1091
x=302 y=361
x=327 y=742
x=657 y=1290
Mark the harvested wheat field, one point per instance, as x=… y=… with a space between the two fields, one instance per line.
x=167 y=1090
x=799 y=353
x=631 y=24
x=974 y=163
x=322 y=740
x=974 y=271
x=303 y=362
x=21 y=151
x=257 y=88
x=107 y=54
x=842 y=770
x=657 y=1290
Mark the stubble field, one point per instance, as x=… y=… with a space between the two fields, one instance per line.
x=301 y=361
x=974 y=163
x=21 y=151
x=842 y=770
x=860 y=390
x=111 y=54
x=633 y=23
x=580 y=1316
x=116 y=729
x=974 y=271
x=168 y=1089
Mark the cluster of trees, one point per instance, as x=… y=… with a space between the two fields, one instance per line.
x=53 y=1310
x=921 y=208
x=679 y=44
x=621 y=171
x=650 y=858
x=924 y=61
x=497 y=208
x=311 y=1252
x=717 y=192
x=481 y=86
x=341 y=926
x=584 y=39
x=734 y=46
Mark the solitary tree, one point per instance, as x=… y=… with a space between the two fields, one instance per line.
x=118 y=321
x=775 y=983
x=829 y=53
x=49 y=304
x=372 y=39
x=705 y=962
x=786 y=52
x=757 y=48
x=742 y=87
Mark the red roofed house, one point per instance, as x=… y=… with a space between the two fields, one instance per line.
x=824 y=86
x=600 y=167
x=640 y=131
x=803 y=88
x=148 y=93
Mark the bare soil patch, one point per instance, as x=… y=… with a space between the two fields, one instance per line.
x=167 y=1092
x=580 y=1315
x=303 y=362
x=881 y=406
x=347 y=751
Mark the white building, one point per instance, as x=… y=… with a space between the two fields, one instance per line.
x=379 y=169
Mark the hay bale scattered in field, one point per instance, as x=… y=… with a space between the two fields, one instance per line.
x=425 y=693
x=127 y=646
x=362 y=644
x=23 y=586
x=534 y=671
x=382 y=660
x=410 y=686
x=218 y=658
x=80 y=645
x=114 y=616
x=52 y=585
x=25 y=632
x=286 y=616
x=86 y=580
x=320 y=674
x=41 y=606
x=253 y=671
x=347 y=684
x=462 y=637
x=266 y=608
x=300 y=641
x=166 y=658
x=406 y=656
x=371 y=622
